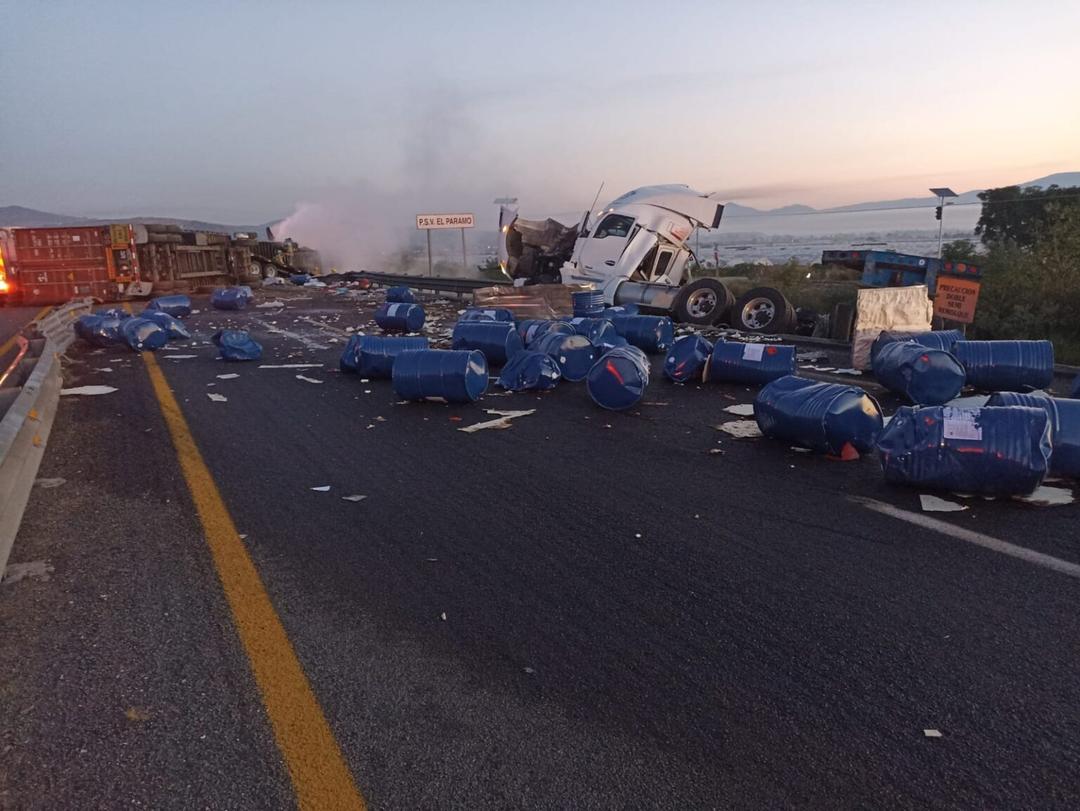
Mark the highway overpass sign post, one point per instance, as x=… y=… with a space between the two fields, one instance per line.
x=439 y=222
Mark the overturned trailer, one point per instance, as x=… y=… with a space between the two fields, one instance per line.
x=635 y=251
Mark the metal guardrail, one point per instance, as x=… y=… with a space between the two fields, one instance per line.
x=27 y=422
x=441 y=284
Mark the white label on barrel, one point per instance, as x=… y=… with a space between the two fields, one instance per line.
x=753 y=352
x=959 y=423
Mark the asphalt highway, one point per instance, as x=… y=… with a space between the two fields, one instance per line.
x=584 y=610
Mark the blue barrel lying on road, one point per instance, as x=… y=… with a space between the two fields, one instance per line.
x=649 y=333
x=373 y=355
x=618 y=380
x=823 y=417
x=587 y=303
x=231 y=298
x=487 y=314
x=300 y=278
x=1007 y=365
x=596 y=330
x=236 y=344
x=400 y=317
x=178 y=306
x=102 y=330
x=440 y=374
x=935 y=339
x=142 y=334
x=575 y=354
x=687 y=357
x=733 y=362
x=533 y=329
x=114 y=312
x=400 y=295
x=923 y=375
x=84 y=326
x=498 y=340
x=619 y=309
x=993 y=451
x=1064 y=418
x=530 y=371
x=173 y=327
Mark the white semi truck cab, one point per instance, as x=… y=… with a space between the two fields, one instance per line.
x=635 y=250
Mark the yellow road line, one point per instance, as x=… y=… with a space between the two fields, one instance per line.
x=319 y=775
x=6 y=345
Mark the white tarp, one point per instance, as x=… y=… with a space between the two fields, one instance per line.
x=904 y=309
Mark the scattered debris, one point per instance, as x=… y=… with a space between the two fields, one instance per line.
x=179 y=357
x=934 y=504
x=217 y=398
x=18 y=571
x=1048 y=497
x=49 y=484
x=227 y=377
x=308 y=379
x=502 y=422
x=353 y=498
x=136 y=714
x=741 y=429
x=443 y=616
x=742 y=410
x=323 y=488
x=270 y=305
x=88 y=390
x=104 y=369
x=932 y=733
x=291 y=366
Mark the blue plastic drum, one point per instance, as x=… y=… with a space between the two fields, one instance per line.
x=400 y=317
x=618 y=380
x=236 y=345
x=823 y=417
x=687 y=358
x=733 y=362
x=1064 y=418
x=1007 y=365
x=530 y=371
x=533 y=330
x=936 y=339
x=498 y=340
x=587 y=303
x=373 y=355
x=231 y=298
x=575 y=354
x=994 y=451
x=487 y=314
x=440 y=374
x=400 y=295
x=923 y=375
x=597 y=330
x=173 y=327
x=619 y=309
x=142 y=334
x=649 y=333
x=178 y=306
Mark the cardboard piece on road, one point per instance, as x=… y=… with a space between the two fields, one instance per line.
x=543 y=301
x=907 y=309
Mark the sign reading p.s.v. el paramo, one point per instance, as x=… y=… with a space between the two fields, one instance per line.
x=427 y=222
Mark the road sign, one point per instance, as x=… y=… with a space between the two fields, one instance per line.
x=956 y=299
x=434 y=222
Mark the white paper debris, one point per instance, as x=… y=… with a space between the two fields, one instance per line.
x=324 y=488
x=104 y=369
x=940 y=505
x=217 y=398
x=291 y=366
x=353 y=498
x=502 y=422
x=932 y=733
x=49 y=484
x=742 y=410
x=227 y=377
x=1049 y=497
x=180 y=357
x=88 y=390
x=741 y=429
x=308 y=379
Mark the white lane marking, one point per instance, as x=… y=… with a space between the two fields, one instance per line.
x=977 y=538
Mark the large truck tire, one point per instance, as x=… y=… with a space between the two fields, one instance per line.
x=764 y=310
x=704 y=302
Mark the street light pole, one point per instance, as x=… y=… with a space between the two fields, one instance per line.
x=941 y=193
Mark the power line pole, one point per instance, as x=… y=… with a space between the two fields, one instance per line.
x=941 y=193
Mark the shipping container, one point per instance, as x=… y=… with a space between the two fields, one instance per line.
x=53 y=265
x=174 y=259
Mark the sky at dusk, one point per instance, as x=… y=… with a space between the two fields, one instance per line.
x=239 y=112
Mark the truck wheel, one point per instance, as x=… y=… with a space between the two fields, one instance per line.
x=764 y=310
x=269 y=271
x=704 y=302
